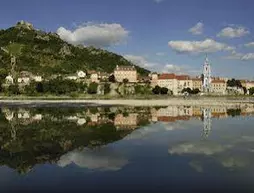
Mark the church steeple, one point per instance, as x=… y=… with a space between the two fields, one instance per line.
x=207 y=75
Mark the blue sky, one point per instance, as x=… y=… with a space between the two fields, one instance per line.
x=162 y=35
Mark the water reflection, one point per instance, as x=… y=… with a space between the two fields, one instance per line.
x=80 y=136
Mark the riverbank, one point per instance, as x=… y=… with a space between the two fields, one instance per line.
x=201 y=101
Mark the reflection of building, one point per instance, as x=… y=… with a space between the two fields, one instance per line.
x=219 y=112
x=207 y=115
x=130 y=121
x=125 y=72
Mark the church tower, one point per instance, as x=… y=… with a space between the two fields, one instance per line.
x=207 y=76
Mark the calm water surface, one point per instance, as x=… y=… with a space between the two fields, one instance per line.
x=123 y=149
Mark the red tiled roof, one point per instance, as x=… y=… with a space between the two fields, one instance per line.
x=196 y=79
x=182 y=77
x=167 y=76
x=166 y=119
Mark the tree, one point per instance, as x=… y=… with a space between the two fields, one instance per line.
x=14 y=89
x=195 y=91
x=245 y=90
x=39 y=87
x=164 y=90
x=111 y=78
x=106 y=88
x=142 y=89
x=251 y=91
x=3 y=74
x=156 y=90
x=234 y=83
x=92 y=88
x=188 y=90
x=125 y=81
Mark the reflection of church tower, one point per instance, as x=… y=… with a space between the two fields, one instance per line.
x=207 y=76
x=207 y=115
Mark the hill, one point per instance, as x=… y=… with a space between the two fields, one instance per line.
x=45 y=53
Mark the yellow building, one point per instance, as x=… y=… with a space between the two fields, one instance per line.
x=125 y=72
x=197 y=83
x=184 y=81
x=247 y=84
x=125 y=122
x=169 y=81
x=219 y=86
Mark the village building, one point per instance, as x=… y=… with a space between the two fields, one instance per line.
x=218 y=86
x=94 y=77
x=168 y=81
x=125 y=72
x=103 y=76
x=37 y=78
x=81 y=74
x=247 y=84
x=9 y=79
x=154 y=79
x=126 y=122
x=197 y=83
x=184 y=81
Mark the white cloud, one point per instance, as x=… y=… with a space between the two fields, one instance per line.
x=158 y=1
x=205 y=46
x=251 y=44
x=240 y=56
x=139 y=61
x=205 y=148
x=103 y=159
x=197 y=29
x=160 y=67
x=233 y=32
x=98 y=35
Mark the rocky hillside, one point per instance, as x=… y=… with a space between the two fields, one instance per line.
x=45 y=53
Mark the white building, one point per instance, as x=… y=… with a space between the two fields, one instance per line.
x=24 y=80
x=37 y=78
x=169 y=81
x=81 y=74
x=207 y=76
x=9 y=79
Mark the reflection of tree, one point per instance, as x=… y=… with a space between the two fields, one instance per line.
x=24 y=146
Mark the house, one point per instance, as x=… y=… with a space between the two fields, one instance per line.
x=9 y=79
x=218 y=86
x=154 y=79
x=94 y=77
x=125 y=72
x=247 y=84
x=71 y=77
x=37 y=78
x=197 y=83
x=184 y=81
x=129 y=122
x=24 y=80
x=103 y=75
x=168 y=81
x=81 y=74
